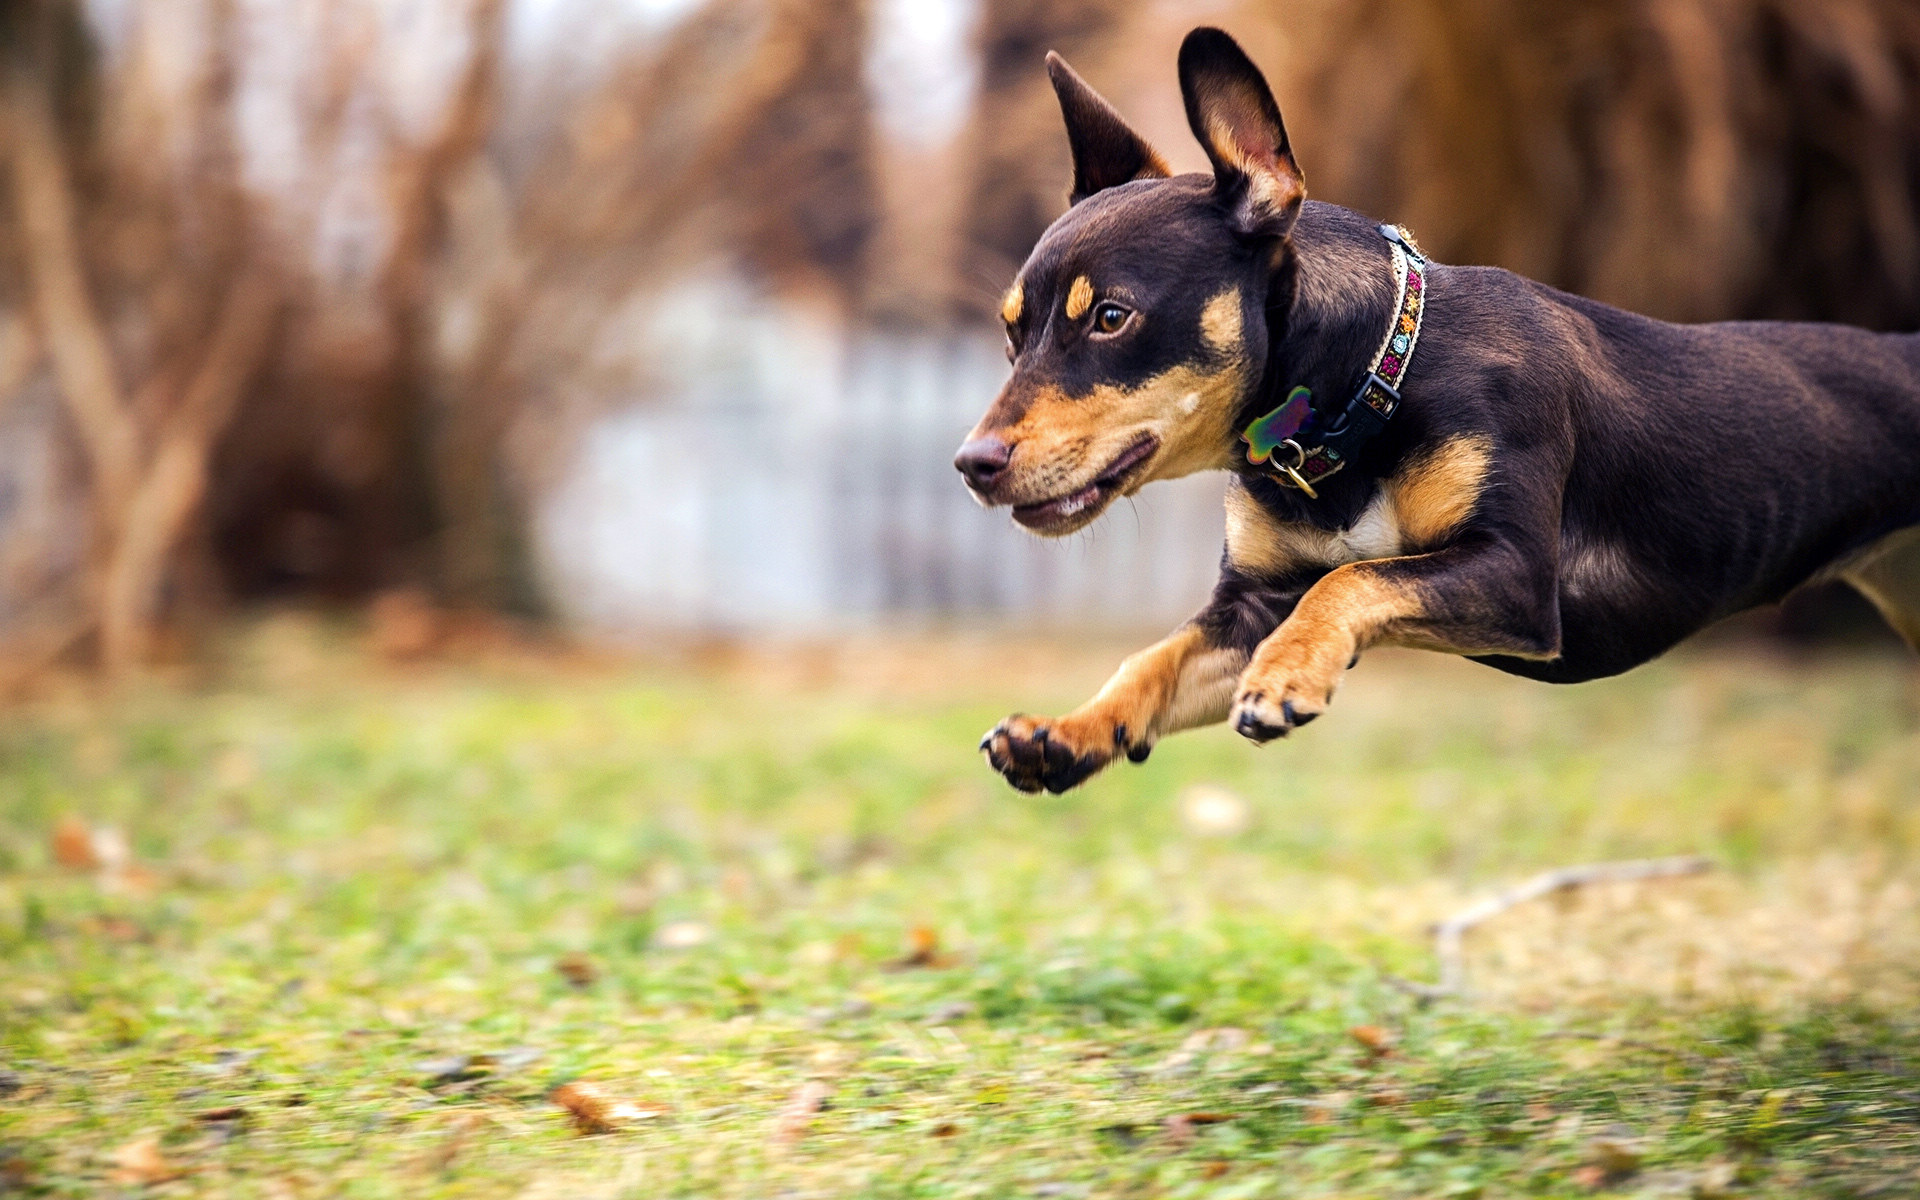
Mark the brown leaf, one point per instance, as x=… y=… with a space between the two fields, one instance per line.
x=141 y=1163
x=595 y=1110
x=1180 y=1127
x=944 y=1129
x=578 y=969
x=73 y=846
x=791 y=1123
x=230 y=1112
x=1377 y=1042
x=1215 y=1169
x=923 y=950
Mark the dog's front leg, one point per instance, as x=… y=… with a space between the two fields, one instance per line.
x=1183 y=681
x=1176 y=683
x=1486 y=598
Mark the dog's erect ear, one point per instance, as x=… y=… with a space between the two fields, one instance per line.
x=1233 y=113
x=1106 y=150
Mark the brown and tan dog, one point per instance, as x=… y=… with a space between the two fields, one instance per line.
x=1476 y=463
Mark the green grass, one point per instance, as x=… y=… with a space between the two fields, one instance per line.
x=349 y=876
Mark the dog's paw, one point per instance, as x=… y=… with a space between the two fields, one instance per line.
x=1284 y=689
x=1036 y=754
x=1261 y=716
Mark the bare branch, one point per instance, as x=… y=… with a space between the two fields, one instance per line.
x=62 y=305
x=176 y=482
x=1448 y=934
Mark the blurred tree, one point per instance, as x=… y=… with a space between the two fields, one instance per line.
x=211 y=303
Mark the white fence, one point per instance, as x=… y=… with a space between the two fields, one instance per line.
x=782 y=476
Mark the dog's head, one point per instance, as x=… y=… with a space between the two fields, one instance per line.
x=1138 y=325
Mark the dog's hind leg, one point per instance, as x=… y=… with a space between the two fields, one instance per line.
x=1889 y=577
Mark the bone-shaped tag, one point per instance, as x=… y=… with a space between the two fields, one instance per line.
x=1265 y=435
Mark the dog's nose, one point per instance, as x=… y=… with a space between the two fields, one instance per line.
x=981 y=461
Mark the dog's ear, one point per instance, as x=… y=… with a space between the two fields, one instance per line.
x=1106 y=150
x=1234 y=115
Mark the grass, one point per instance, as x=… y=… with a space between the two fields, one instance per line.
x=384 y=913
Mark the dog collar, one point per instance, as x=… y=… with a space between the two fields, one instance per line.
x=1301 y=447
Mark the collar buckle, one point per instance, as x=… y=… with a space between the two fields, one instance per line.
x=1375 y=393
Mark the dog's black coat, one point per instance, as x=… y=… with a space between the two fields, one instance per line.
x=1722 y=465
x=1565 y=491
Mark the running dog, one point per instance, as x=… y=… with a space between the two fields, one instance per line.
x=1452 y=458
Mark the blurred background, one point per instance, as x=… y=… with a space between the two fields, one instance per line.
x=669 y=313
x=370 y=370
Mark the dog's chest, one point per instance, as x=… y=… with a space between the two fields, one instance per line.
x=1375 y=535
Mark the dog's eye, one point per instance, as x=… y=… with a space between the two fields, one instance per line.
x=1109 y=318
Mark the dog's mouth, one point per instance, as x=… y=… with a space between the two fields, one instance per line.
x=1064 y=513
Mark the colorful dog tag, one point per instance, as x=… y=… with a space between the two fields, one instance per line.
x=1267 y=434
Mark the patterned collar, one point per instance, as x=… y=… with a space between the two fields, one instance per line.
x=1301 y=447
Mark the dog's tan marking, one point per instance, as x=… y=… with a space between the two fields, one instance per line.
x=1259 y=545
x=1301 y=663
x=1220 y=322
x=1177 y=683
x=1014 y=303
x=1435 y=495
x=1079 y=297
x=1066 y=441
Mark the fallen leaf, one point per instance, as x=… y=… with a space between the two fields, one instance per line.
x=595 y=1110
x=1209 y=810
x=791 y=1123
x=141 y=1163
x=73 y=845
x=944 y=1129
x=1215 y=1169
x=923 y=951
x=230 y=1112
x=577 y=969
x=1377 y=1042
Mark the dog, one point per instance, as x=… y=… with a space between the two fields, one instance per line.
x=1444 y=457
